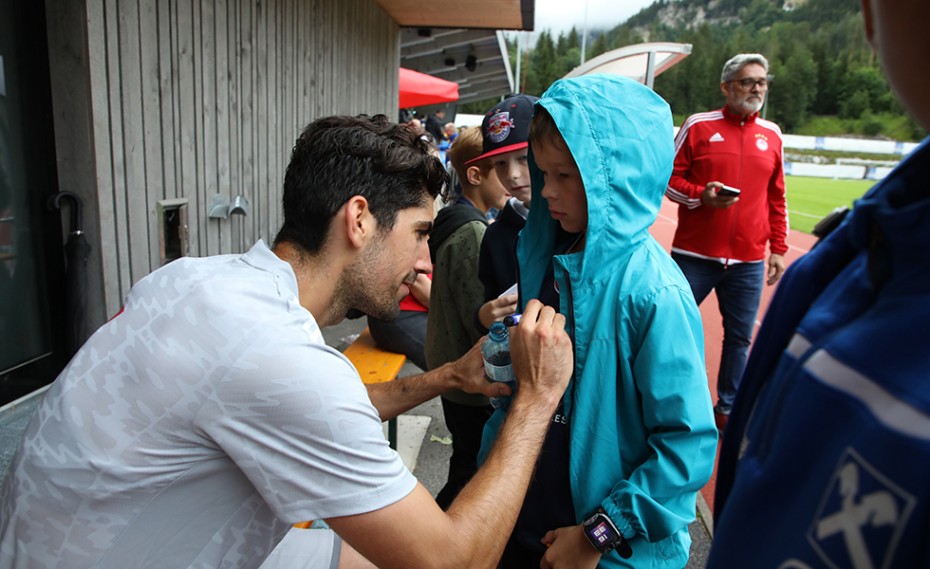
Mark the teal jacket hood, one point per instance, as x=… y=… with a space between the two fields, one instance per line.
x=620 y=135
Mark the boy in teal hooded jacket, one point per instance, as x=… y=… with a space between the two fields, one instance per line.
x=638 y=438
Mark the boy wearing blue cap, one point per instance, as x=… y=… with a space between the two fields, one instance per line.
x=506 y=130
x=633 y=440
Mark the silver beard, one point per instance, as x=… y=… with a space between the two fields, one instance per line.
x=751 y=107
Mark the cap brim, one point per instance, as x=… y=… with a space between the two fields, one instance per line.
x=496 y=151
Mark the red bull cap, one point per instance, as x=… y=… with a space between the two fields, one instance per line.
x=506 y=126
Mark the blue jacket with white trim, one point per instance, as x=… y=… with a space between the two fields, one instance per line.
x=826 y=458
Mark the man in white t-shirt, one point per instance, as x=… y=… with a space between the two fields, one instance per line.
x=199 y=424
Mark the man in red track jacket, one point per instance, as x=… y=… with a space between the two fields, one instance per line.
x=729 y=183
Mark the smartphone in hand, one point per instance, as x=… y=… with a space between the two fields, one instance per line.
x=727 y=191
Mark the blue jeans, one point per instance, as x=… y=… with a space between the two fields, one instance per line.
x=739 y=290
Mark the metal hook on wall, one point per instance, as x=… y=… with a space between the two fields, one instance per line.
x=239 y=206
x=221 y=208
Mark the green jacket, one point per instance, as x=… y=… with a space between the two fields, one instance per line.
x=456 y=292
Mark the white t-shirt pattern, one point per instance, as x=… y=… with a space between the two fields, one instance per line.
x=194 y=428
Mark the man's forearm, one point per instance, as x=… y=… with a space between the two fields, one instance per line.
x=485 y=511
x=395 y=397
x=476 y=527
x=414 y=532
x=466 y=373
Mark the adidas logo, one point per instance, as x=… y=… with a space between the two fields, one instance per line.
x=716 y=137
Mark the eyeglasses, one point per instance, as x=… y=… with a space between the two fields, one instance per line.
x=748 y=82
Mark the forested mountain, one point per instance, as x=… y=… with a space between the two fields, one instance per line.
x=826 y=78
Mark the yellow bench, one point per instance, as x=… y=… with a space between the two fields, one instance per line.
x=374 y=365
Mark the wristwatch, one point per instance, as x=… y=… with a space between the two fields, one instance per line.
x=604 y=535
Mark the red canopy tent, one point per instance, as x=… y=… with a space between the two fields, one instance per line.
x=418 y=89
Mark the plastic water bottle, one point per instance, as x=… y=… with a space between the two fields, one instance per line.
x=497 y=366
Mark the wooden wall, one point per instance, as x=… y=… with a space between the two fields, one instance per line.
x=161 y=100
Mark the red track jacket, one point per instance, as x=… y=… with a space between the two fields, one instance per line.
x=719 y=146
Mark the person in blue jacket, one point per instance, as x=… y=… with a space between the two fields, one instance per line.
x=827 y=451
x=634 y=438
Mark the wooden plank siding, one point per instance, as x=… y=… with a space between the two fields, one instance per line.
x=193 y=98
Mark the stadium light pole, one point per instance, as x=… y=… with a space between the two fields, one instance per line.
x=584 y=32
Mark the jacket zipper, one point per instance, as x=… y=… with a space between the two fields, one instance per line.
x=569 y=396
x=739 y=178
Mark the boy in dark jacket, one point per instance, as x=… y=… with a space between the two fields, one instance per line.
x=506 y=128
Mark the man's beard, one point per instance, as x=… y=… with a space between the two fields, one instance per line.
x=357 y=292
x=751 y=107
x=381 y=310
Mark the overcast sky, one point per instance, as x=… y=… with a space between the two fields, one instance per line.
x=560 y=15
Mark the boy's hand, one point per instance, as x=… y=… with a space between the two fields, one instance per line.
x=541 y=351
x=495 y=310
x=568 y=547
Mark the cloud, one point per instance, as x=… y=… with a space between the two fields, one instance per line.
x=558 y=16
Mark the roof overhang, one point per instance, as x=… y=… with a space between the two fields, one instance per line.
x=476 y=59
x=643 y=62
x=483 y=14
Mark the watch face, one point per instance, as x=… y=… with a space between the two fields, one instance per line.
x=605 y=537
x=603 y=534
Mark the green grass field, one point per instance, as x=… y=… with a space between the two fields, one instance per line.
x=809 y=199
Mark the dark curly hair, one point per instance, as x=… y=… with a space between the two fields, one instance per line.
x=338 y=157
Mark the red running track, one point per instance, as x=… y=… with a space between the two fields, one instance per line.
x=664 y=230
